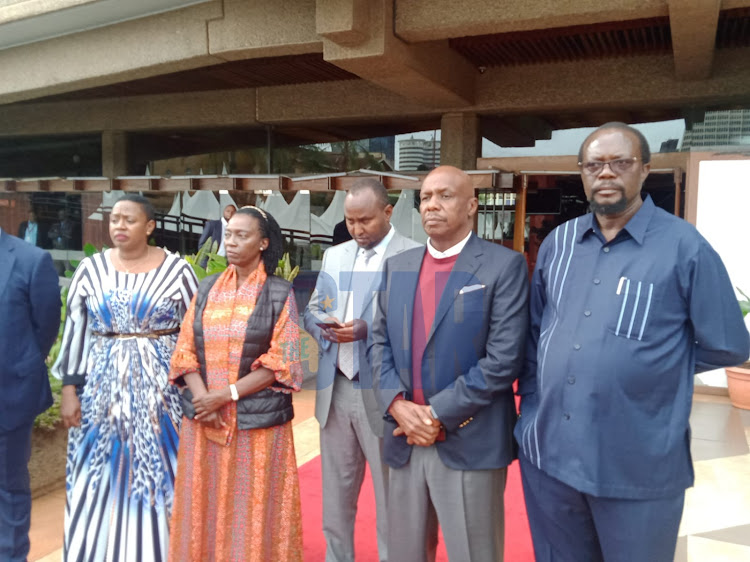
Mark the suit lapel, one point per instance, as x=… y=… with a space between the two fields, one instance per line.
x=394 y=246
x=344 y=281
x=404 y=295
x=7 y=258
x=466 y=266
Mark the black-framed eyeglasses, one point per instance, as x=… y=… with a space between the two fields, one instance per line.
x=619 y=166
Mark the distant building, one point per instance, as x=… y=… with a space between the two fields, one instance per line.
x=669 y=145
x=719 y=130
x=418 y=154
x=384 y=145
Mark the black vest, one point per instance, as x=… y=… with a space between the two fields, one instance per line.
x=266 y=407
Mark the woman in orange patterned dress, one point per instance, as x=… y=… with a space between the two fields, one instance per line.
x=237 y=359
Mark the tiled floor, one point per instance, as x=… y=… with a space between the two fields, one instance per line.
x=716 y=521
x=715 y=525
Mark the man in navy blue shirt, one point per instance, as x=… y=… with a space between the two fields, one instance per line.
x=627 y=304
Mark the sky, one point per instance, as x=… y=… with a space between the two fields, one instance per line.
x=568 y=141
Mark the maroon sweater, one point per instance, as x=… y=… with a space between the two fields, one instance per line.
x=433 y=276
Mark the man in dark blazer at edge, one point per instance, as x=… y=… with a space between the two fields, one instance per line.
x=30 y=230
x=446 y=346
x=29 y=321
x=215 y=229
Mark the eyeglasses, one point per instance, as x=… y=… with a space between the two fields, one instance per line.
x=619 y=166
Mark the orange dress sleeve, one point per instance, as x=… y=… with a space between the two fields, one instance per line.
x=283 y=356
x=184 y=359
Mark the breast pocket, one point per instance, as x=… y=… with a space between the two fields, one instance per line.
x=634 y=302
x=469 y=304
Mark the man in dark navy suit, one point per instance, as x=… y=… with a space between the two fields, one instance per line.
x=30 y=230
x=29 y=321
x=215 y=229
x=447 y=345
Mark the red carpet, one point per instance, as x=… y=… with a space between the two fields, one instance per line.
x=518 y=546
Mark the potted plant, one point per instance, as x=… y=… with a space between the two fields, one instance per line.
x=738 y=378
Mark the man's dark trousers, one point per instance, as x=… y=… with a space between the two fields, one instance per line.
x=15 y=493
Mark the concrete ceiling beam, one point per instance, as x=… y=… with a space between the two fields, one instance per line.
x=693 y=25
x=431 y=73
x=347 y=100
x=342 y=21
x=194 y=110
x=264 y=29
x=127 y=51
x=16 y=11
x=515 y=130
x=606 y=88
x=431 y=20
x=626 y=83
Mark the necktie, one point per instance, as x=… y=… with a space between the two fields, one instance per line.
x=368 y=254
x=348 y=360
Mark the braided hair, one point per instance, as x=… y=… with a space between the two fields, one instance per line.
x=270 y=229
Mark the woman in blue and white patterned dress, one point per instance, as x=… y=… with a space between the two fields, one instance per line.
x=125 y=306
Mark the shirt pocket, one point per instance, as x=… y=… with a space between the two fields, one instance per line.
x=634 y=301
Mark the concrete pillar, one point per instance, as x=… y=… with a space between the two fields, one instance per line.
x=114 y=154
x=460 y=140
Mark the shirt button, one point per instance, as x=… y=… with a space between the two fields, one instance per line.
x=596 y=281
x=606 y=250
x=571 y=380
x=577 y=346
x=587 y=313
x=566 y=416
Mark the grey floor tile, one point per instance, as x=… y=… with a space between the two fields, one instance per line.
x=734 y=535
x=680 y=553
x=717 y=431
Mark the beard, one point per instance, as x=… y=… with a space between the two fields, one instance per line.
x=608 y=208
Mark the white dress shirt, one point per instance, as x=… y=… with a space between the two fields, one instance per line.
x=222 y=251
x=450 y=252
x=363 y=265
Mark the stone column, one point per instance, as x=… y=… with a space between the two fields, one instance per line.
x=460 y=140
x=114 y=154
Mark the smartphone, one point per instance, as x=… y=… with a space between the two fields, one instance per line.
x=326 y=325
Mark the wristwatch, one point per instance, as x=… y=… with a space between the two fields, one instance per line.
x=234 y=393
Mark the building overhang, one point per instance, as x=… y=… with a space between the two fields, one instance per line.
x=30 y=21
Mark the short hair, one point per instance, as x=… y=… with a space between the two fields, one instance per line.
x=146 y=206
x=371 y=184
x=618 y=125
x=270 y=229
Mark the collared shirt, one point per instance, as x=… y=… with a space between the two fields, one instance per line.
x=31 y=233
x=363 y=265
x=617 y=331
x=450 y=252
x=222 y=251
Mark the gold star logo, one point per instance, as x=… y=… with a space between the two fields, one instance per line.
x=328 y=303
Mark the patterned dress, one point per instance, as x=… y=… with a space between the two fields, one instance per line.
x=239 y=501
x=121 y=460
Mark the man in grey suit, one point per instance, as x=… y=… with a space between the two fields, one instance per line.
x=338 y=317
